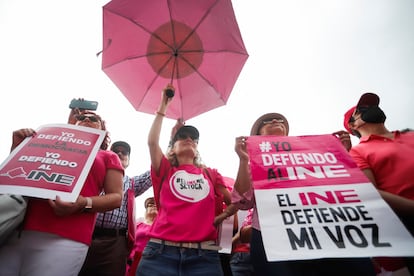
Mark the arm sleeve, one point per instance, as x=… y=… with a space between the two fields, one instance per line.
x=142 y=183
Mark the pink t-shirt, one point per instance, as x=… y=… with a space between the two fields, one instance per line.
x=141 y=236
x=391 y=161
x=77 y=227
x=186 y=209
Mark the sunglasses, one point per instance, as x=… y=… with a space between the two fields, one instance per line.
x=278 y=120
x=184 y=136
x=90 y=118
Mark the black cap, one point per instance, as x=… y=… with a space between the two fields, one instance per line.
x=123 y=144
x=192 y=131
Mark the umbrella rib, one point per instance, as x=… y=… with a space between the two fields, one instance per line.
x=142 y=27
x=201 y=76
x=172 y=23
x=157 y=75
x=136 y=57
x=198 y=72
x=228 y=51
x=196 y=26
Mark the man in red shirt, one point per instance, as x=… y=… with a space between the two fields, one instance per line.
x=386 y=158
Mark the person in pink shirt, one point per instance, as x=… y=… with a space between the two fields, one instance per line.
x=243 y=197
x=56 y=234
x=182 y=238
x=386 y=158
x=141 y=235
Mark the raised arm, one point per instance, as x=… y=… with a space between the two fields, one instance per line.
x=154 y=133
x=243 y=181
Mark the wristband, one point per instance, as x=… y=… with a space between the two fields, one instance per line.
x=160 y=113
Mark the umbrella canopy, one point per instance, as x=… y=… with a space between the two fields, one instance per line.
x=194 y=45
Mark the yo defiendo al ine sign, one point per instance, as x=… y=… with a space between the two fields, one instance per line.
x=314 y=202
x=54 y=162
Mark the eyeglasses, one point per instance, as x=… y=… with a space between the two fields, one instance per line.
x=151 y=205
x=184 y=136
x=91 y=118
x=278 y=120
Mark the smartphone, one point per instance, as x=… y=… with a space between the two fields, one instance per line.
x=83 y=104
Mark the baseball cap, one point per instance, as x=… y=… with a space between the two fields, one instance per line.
x=367 y=100
x=190 y=130
x=121 y=144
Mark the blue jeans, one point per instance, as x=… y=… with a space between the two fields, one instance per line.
x=163 y=260
x=241 y=264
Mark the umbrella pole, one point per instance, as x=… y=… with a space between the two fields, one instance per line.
x=169 y=92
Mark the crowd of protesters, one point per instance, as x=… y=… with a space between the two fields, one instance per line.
x=179 y=234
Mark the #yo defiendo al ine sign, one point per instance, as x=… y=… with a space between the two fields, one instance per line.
x=54 y=162
x=314 y=202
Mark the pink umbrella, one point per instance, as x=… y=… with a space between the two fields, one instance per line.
x=194 y=44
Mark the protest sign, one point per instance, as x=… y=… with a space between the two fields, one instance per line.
x=314 y=202
x=54 y=162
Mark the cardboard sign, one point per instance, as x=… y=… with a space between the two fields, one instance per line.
x=314 y=202
x=54 y=162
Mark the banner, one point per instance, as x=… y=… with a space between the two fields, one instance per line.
x=54 y=162
x=314 y=202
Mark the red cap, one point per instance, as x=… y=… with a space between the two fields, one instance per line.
x=347 y=117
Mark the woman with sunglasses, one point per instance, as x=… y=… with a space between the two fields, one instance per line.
x=276 y=124
x=56 y=234
x=182 y=238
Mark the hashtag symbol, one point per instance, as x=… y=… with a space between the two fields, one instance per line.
x=265 y=146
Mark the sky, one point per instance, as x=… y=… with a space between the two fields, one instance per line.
x=309 y=60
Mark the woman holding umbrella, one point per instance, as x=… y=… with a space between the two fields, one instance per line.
x=182 y=238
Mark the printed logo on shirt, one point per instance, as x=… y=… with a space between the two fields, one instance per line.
x=189 y=187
